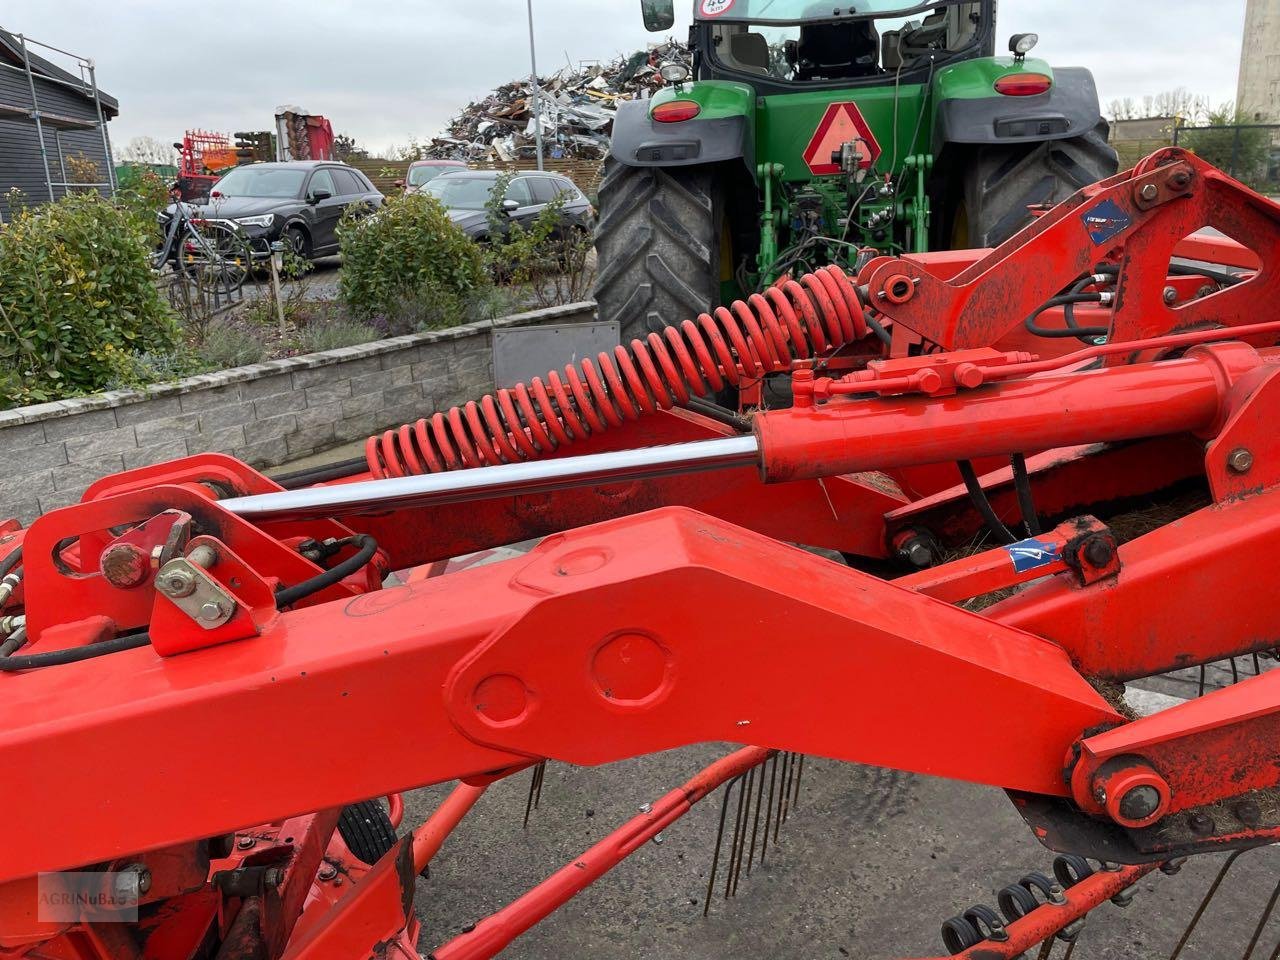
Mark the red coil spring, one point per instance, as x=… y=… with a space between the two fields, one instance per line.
x=795 y=319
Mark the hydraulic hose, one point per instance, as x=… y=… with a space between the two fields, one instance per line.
x=796 y=319
x=335 y=574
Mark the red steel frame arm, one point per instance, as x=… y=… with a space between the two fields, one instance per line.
x=1146 y=213
x=714 y=633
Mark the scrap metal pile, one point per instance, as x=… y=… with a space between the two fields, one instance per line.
x=185 y=615
x=577 y=109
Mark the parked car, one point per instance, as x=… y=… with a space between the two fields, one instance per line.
x=299 y=201
x=422 y=172
x=465 y=193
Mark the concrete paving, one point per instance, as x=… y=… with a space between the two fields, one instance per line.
x=868 y=866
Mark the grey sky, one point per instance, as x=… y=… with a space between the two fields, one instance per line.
x=391 y=71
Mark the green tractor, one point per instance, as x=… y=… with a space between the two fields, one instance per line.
x=806 y=133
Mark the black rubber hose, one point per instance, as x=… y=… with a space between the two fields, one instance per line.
x=330 y=471
x=74 y=654
x=1217 y=276
x=1022 y=484
x=11 y=561
x=291 y=595
x=1062 y=332
x=877 y=328
x=982 y=504
x=368 y=547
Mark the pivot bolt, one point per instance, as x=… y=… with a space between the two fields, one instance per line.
x=1099 y=551
x=1149 y=191
x=178 y=583
x=1240 y=460
x=210 y=611
x=327 y=871
x=244 y=843
x=1201 y=824
x=1140 y=803
x=1170 y=295
x=124 y=565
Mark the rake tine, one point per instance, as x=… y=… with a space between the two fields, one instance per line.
x=1235 y=677
x=533 y=785
x=715 y=859
x=795 y=796
x=1262 y=922
x=782 y=792
x=1276 y=952
x=1200 y=693
x=1257 y=667
x=744 y=814
x=768 y=815
x=1046 y=950
x=542 y=775
x=1071 y=948
x=733 y=844
x=1204 y=904
x=756 y=825
x=786 y=790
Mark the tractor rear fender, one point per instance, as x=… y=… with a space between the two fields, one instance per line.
x=970 y=111
x=723 y=129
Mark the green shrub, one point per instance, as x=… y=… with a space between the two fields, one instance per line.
x=229 y=345
x=408 y=253
x=77 y=299
x=334 y=334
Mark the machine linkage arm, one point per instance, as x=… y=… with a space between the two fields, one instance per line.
x=712 y=633
x=1138 y=220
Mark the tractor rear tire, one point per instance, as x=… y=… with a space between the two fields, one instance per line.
x=657 y=246
x=1000 y=183
x=366 y=830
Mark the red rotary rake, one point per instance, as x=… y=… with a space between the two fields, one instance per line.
x=1115 y=352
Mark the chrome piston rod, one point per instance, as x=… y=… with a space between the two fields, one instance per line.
x=505 y=480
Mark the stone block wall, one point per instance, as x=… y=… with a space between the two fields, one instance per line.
x=265 y=414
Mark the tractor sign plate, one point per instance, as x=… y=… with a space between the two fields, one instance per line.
x=841 y=123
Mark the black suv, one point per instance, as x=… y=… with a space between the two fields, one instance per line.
x=299 y=201
x=464 y=193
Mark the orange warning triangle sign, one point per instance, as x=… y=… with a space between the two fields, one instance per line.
x=842 y=123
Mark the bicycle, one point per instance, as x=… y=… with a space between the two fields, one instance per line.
x=211 y=255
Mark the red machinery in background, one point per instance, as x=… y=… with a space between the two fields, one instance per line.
x=935 y=398
x=202 y=158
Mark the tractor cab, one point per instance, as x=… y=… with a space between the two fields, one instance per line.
x=813 y=45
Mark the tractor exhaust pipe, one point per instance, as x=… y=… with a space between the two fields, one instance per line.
x=505 y=480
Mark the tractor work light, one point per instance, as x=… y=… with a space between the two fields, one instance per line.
x=674 y=72
x=1023 y=84
x=674 y=111
x=1020 y=44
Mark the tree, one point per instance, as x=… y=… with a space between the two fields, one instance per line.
x=148 y=150
x=345 y=148
x=1124 y=109
x=1243 y=152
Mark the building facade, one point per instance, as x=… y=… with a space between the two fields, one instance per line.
x=41 y=102
x=1258 y=93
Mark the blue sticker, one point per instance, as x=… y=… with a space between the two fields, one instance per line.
x=1032 y=553
x=1104 y=221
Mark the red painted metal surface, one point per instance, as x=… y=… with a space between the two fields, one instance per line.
x=652 y=625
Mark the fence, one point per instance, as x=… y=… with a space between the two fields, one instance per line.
x=1249 y=152
x=585 y=173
